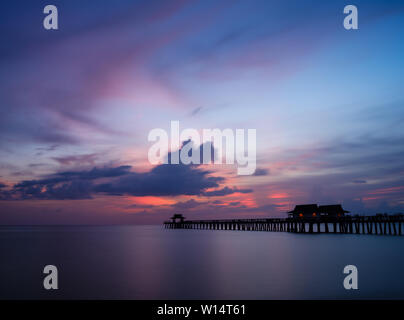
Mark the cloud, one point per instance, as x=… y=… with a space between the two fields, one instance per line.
x=4 y=193
x=37 y=165
x=208 y=145
x=67 y=176
x=190 y=204
x=359 y=181
x=261 y=172
x=77 y=160
x=217 y=202
x=225 y=191
x=196 y=111
x=59 y=109
x=163 y=180
x=41 y=150
x=63 y=185
x=71 y=190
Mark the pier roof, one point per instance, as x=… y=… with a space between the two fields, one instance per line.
x=333 y=208
x=305 y=209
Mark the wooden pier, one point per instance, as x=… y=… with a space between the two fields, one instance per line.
x=379 y=224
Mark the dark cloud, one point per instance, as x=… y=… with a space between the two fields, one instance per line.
x=4 y=193
x=67 y=176
x=64 y=185
x=190 y=204
x=225 y=191
x=163 y=180
x=261 y=172
x=207 y=145
x=71 y=190
x=196 y=111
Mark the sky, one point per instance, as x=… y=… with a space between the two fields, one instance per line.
x=77 y=105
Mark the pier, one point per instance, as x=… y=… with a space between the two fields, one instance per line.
x=377 y=225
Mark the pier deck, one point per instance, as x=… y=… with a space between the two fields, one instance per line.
x=382 y=225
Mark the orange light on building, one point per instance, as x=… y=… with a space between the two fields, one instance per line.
x=300 y=214
x=314 y=214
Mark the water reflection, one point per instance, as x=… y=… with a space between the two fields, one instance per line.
x=149 y=262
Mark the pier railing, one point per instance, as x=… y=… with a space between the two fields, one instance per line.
x=379 y=224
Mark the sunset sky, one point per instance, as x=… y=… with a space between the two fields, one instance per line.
x=77 y=104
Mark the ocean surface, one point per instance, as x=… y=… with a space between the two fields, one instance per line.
x=149 y=262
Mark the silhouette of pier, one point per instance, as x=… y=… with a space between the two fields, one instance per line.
x=378 y=224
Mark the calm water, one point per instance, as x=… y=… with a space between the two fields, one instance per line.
x=149 y=262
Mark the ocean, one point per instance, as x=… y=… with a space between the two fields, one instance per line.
x=150 y=262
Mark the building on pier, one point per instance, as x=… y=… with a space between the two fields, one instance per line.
x=178 y=217
x=304 y=211
x=313 y=210
x=334 y=210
